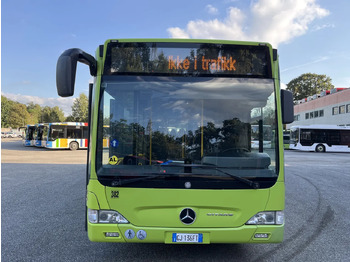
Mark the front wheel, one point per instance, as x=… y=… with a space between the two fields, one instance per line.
x=73 y=146
x=320 y=148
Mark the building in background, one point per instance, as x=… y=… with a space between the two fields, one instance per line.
x=328 y=108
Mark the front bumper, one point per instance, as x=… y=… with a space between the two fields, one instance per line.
x=127 y=233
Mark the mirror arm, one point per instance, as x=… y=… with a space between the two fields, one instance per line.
x=79 y=55
x=66 y=69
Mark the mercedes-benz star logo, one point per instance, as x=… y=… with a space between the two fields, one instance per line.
x=187 y=216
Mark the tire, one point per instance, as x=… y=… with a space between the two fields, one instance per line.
x=320 y=148
x=73 y=146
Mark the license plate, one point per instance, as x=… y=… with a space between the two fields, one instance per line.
x=187 y=238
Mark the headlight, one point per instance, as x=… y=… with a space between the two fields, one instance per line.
x=106 y=217
x=267 y=218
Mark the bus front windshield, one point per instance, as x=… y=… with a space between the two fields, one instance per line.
x=42 y=132
x=163 y=131
x=294 y=135
x=30 y=132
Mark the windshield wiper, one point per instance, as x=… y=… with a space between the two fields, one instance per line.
x=252 y=184
x=121 y=182
x=246 y=181
x=125 y=181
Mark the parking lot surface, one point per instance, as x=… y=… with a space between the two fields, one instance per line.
x=43 y=213
x=13 y=151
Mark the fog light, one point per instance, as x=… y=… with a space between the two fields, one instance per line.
x=261 y=235
x=112 y=234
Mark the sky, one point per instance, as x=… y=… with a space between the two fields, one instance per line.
x=312 y=36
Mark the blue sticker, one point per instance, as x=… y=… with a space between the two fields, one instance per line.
x=114 y=143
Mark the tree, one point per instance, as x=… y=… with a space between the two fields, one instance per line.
x=15 y=114
x=45 y=115
x=308 y=85
x=18 y=116
x=35 y=113
x=80 y=108
x=49 y=115
x=6 y=107
x=56 y=114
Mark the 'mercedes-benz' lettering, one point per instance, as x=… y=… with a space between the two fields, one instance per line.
x=219 y=214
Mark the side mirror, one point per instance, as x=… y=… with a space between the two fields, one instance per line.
x=287 y=106
x=67 y=67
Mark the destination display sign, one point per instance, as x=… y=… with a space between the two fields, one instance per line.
x=187 y=59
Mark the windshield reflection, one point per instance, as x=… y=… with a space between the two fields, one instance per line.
x=149 y=123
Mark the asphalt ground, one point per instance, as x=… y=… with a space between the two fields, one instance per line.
x=43 y=209
x=13 y=151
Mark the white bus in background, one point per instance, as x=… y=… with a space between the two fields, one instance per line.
x=72 y=135
x=40 y=135
x=28 y=135
x=320 y=138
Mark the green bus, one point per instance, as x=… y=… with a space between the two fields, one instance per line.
x=176 y=163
